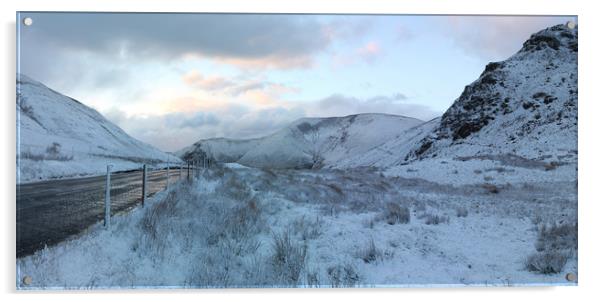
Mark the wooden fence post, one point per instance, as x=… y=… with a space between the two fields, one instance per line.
x=143 y=184
x=108 y=198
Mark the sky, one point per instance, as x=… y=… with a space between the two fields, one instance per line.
x=172 y=79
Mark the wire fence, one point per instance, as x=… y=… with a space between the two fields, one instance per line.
x=48 y=212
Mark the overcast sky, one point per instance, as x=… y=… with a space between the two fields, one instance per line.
x=172 y=79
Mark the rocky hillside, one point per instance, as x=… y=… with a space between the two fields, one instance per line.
x=525 y=105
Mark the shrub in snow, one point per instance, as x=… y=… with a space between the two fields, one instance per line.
x=288 y=258
x=306 y=228
x=557 y=237
x=555 y=245
x=244 y=219
x=52 y=152
x=312 y=279
x=236 y=189
x=343 y=275
x=548 y=262
x=370 y=253
x=419 y=206
x=394 y=213
x=434 y=219
x=461 y=212
x=491 y=188
x=551 y=166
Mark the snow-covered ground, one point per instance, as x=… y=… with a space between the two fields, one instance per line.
x=237 y=226
x=492 y=170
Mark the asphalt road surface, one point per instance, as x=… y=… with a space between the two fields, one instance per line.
x=48 y=212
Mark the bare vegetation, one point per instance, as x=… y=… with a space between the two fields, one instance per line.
x=371 y=253
x=288 y=258
x=52 y=152
x=308 y=228
x=461 y=212
x=555 y=245
x=394 y=213
x=491 y=188
x=434 y=219
x=548 y=262
x=343 y=275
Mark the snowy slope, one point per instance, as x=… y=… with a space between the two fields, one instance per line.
x=391 y=152
x=525 y=105
x=60 y=137
x=308 y=142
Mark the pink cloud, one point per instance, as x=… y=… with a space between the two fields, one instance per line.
x=369 y=51
x=251 y=91
x=195 y=79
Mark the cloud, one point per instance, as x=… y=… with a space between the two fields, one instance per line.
x=369 y=51
x=195 y=79
x=240 y=89
x=199 y=119
x=262 y=40
x=348 y=28
x=263 y=122
x=173 y=131
x=494 y=38
x=257 y=92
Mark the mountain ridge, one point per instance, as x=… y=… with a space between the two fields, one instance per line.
x=310 y=141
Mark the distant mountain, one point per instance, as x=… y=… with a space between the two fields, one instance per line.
x=60 y=137
x=307 y=142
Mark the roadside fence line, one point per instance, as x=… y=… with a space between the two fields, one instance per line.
x=123 y=191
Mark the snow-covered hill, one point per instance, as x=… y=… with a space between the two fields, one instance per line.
x=309 y=142
x=525 y=105
x=60 y=137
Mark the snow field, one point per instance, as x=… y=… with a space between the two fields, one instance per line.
x=247 y=227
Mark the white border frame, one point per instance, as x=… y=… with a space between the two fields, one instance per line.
x=589 y=145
